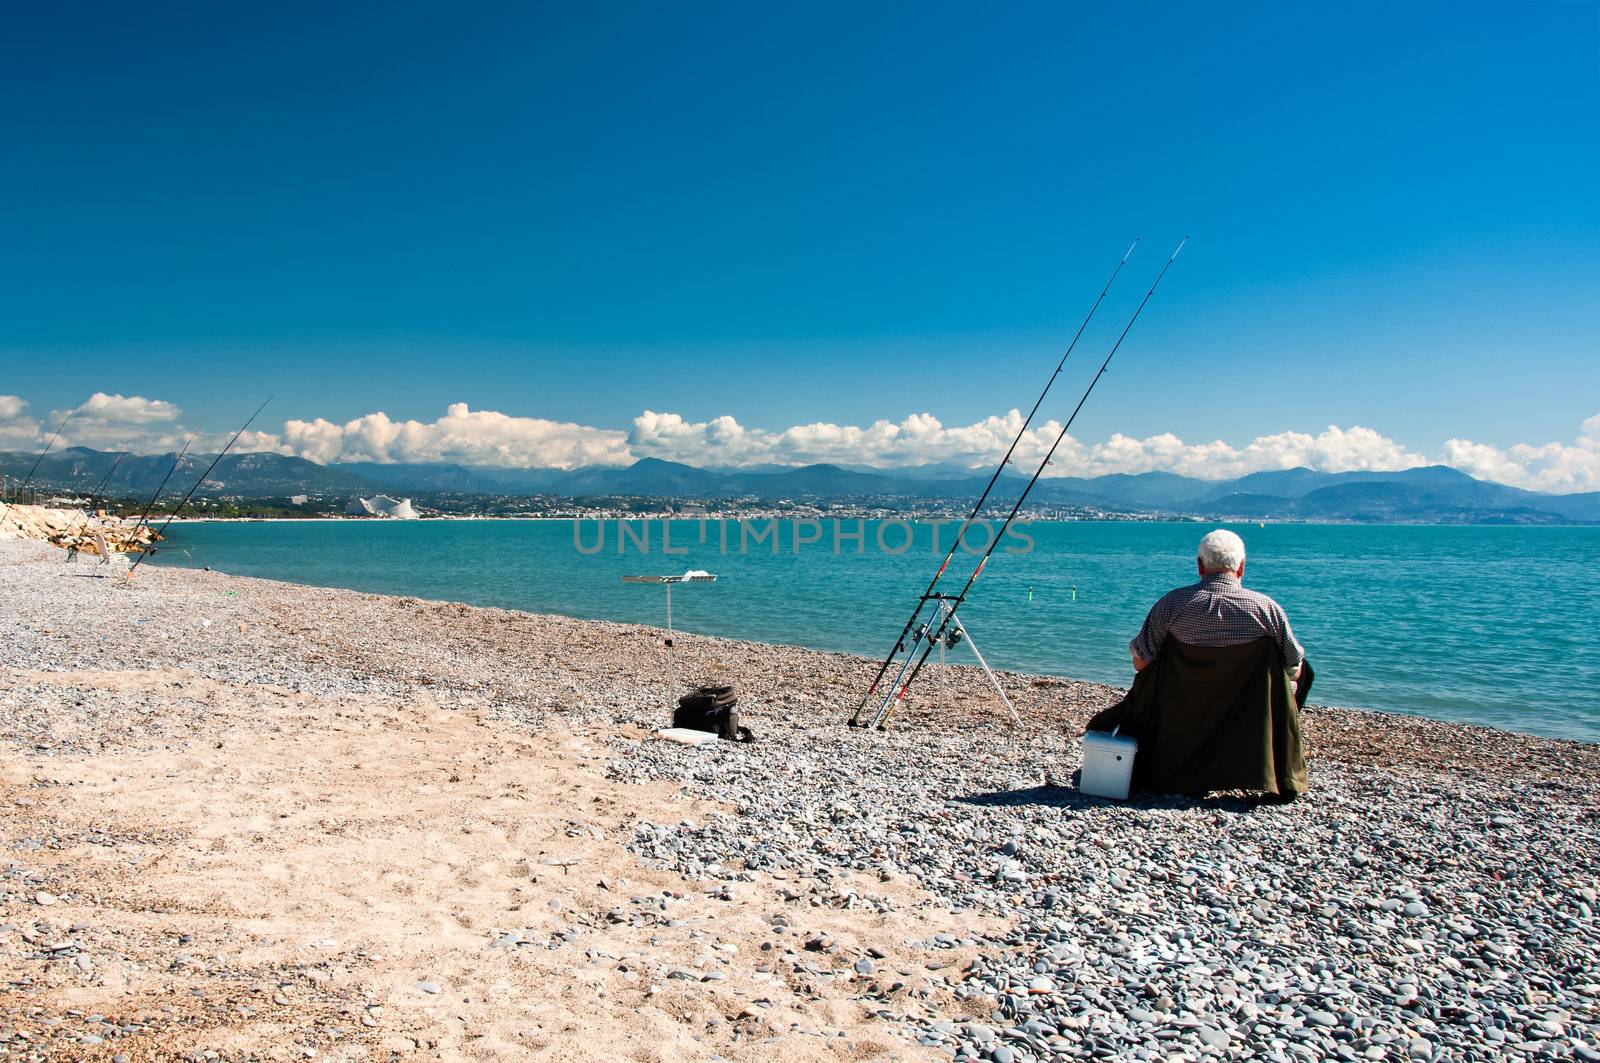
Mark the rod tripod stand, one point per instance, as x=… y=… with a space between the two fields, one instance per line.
x=948 y=631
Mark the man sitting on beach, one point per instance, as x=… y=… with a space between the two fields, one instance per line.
x=1219 y=680
x=1218 y=611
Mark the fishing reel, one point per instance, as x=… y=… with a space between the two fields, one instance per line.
x=949 y=638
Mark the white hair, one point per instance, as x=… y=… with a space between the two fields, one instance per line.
x=1221 y=551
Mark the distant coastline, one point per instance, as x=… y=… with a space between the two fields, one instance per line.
x=274 y=485
x=340 y=518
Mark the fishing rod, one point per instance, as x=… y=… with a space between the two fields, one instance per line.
x=89 y=507
x=174 y=514
x=897 y=692
x=106 y=478
x=176 y=461
x=40 y=459
x=900 y=640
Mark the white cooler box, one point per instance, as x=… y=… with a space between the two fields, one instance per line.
x=1107 y=765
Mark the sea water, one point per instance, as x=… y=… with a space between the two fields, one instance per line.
x=1487 y=625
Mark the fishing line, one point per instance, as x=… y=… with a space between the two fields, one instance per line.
x=36 y=461
x=900 y=641
x=895 y=696
x=173 y=515
x=176 y=461
x=93 y=495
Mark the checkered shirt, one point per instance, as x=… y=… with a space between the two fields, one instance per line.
x=1217 y=611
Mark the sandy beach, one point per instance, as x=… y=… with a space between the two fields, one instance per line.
x=252 y=820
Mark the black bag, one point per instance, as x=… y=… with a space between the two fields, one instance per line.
x=712 y=694
x=713 y=709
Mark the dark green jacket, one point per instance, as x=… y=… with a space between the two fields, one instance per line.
x=1212 y=718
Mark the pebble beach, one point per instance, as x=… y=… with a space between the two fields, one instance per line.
x=252 y=820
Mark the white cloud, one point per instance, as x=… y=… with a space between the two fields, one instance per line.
x=488 y=437
x=1334 y=450
x=16 y=430
x=917 y=440
x=921 y=439
x=250 y=440
x=116 y=421
x=101 y=408
x=1551 y=467
x=481 y=437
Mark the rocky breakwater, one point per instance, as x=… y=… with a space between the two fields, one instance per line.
x=70 y=528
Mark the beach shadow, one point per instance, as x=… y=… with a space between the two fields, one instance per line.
x=1070 y=798
x=1049 y=796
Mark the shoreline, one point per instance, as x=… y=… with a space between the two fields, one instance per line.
x=1361 y=716
x=872 y=663
x=862 y=660
x=254 y=817
x=68 y=514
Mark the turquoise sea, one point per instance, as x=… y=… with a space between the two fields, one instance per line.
x=1488 y=625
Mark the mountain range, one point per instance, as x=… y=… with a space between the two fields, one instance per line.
x=1436 y=493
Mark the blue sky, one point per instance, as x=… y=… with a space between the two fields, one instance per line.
x=815 y=214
